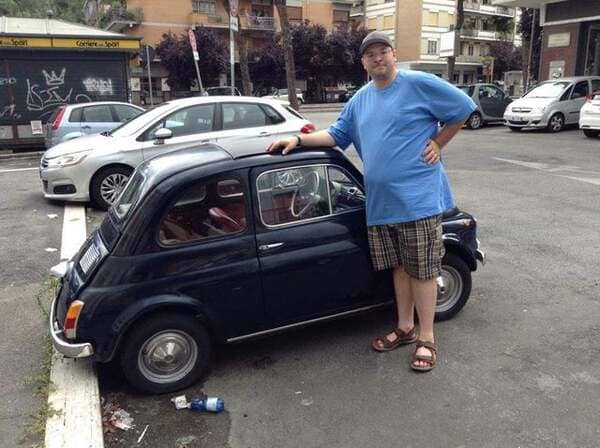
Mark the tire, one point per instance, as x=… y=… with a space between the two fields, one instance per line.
x=454 y=287
x=591 y=133
x=475 y=121
x=107 y=184
x=144 y=361
x=556 y=123
x=514 y=129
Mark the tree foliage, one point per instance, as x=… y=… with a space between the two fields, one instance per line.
x=68 y=10
x=506 y=57
x=175 y=53
x=524 y=28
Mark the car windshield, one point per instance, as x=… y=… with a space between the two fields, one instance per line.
x=133 y=125
x=129 y=196
x=548 y=90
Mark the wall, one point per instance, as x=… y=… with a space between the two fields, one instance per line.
x=567 y=53
x=408 y=29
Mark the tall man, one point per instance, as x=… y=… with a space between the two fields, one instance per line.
x=393 y=123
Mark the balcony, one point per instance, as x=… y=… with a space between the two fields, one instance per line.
x=489 y=9
x=249 y=22
x=468 y=59
x=120 y=19
x=486 y=35
x=210 y=20
x=357 y=11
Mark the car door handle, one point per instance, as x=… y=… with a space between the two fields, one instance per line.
x=270 y=246
x=205 y=141
x=264 y=134
x=86 y=127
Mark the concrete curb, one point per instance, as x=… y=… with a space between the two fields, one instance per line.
x=75 y=420
x=21 y=155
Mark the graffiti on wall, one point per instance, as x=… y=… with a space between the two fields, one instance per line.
x=98 y=86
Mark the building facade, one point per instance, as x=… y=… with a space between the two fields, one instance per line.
x=417 y=27
x=570 y=36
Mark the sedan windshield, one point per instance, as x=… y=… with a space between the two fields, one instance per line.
x=140 y=121
x=548 y=90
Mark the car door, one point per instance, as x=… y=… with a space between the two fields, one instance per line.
x=312 y=242
x=189 y=124
x=488 y=102
x=245 y=119
x=98 y=118
x=576 y=101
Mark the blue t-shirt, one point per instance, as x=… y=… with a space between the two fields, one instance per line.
x=390 y=127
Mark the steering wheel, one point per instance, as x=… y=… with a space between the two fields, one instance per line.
x=307 y=191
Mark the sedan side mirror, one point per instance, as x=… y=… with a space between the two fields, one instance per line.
x=161 y=135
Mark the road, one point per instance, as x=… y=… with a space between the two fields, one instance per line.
x=518 y=366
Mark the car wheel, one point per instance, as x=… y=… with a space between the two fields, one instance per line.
x=165 y=353
x=475 y=121
x=556 y=122
x=107 y=185
x=454 y=286
x=514 y=129
x=591 y=133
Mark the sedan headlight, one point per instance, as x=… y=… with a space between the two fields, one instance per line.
x=68 y=159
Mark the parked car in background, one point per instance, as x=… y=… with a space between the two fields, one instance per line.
x=219 y=244
x=282 y=94
x=551 y=104
x=491 y=102
x=349 y=93
x=74 y=120
x=222 y=91
x=97 y=167
x=589 y=116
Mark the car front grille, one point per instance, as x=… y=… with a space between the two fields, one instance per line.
x=518 y=122
x=524 y=110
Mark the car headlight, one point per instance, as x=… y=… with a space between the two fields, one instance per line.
x=68 y=159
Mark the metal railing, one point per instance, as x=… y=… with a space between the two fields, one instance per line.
x=257 y=22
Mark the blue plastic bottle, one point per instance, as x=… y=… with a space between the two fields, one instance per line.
x=209 y=404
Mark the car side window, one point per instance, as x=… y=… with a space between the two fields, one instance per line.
x=496 y=93
x=205 y=210
x=344 y=192
x=292 y=195
x=188 y=121
x=595 y=85
x=97 y=114
x=565 y=96
x=580 y=90
x=273 y=116
x=126 y=113
x=75 y=116
x=243 y=115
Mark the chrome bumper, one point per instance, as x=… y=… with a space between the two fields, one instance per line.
x=67 y=349
x=480 y=254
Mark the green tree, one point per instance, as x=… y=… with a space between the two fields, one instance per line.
x=68 y=10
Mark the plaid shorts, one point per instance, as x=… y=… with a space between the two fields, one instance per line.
x=416 y=246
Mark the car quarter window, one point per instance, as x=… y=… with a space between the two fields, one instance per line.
x=188 y=121
x=580 y=90
x=595 y=85
x=243 y=115
x=75 y=116
x=296 y=194
x=205 y=210
x=273 y=116
x=126 y=113
x=97 y=114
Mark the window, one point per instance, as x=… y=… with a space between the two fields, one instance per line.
x=372 y=23
x=433 y=19
x=344 y=192
x=272 y=115
x=205 y=210
x=189 y=121
x=580 y=90
x=97 y=114
x=126 y=113
x=595 y=85
x=432 y=47
x=490 y=92
x=340 y=16
x=388 y=22
x=204 y=7
x=75 y=116
x=292 y=195
x=470 y=50
x=243 y=115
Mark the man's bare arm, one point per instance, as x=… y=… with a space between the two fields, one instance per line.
x=319 y=138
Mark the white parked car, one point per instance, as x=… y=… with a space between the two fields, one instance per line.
x=282 y=94
x=97 y=167
x=589 y=116
x=551 y=104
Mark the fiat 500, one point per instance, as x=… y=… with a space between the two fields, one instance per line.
x=217 y=244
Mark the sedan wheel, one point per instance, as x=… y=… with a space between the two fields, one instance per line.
x=454 y=286
x=475 y=121
x=165 y=353
x=107 y=185
x=556 y=123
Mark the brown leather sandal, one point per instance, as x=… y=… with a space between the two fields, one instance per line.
x=402 y=338
x=431 y=346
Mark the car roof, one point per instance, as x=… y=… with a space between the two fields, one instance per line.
x=102 y=103
x=224 y=98
x=571 y=79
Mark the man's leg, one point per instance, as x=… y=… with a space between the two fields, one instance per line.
x=405 y=304
x=424 y=294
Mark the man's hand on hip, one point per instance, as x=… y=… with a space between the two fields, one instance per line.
x=432 y=152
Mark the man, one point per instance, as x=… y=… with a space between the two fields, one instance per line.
x=393 y=123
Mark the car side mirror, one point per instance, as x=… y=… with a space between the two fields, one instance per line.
x=161 y=135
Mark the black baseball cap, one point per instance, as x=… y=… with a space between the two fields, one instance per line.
x=375 y=37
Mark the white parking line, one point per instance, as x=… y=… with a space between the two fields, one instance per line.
x=74 y=397
x=553 y=170
x=19 y=169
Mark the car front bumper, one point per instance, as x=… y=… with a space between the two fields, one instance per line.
x=526 y=120
x=68 y=349
x=65 y=183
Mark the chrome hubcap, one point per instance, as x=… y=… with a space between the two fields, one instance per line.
x=111 y=186
x=556 y=123
x=168 y=356
x=450 y=287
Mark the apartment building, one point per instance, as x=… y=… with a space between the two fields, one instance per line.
x=570 y=36
x=416 y=28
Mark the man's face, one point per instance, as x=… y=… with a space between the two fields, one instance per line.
x=379 y=61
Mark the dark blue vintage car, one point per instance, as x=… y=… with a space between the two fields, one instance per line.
x=215 y=244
